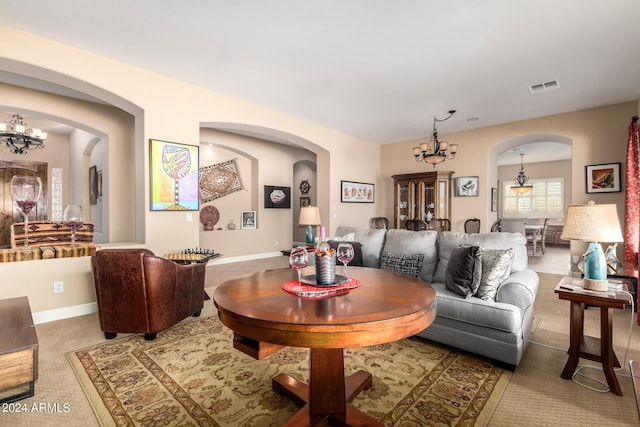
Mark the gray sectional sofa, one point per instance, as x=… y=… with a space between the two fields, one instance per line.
x=498 y=329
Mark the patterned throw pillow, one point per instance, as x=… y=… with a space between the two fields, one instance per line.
x=496 y=267
x=405 y=264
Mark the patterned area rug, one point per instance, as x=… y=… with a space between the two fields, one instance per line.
x=191 y=376
x=219 y=180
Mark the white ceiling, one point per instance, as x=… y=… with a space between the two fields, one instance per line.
x=376 y=69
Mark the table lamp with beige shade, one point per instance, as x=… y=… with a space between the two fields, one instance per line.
x=309 y=216
x=594 y=224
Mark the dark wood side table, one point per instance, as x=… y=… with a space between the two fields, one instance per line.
x=387 y=307
x=591 y=348
x=18 y=347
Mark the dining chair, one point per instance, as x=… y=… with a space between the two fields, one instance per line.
x=442 y=224
x=472 y=225
x=536 y=238
x=512 y=226
x=495 y=227
x=415 y=225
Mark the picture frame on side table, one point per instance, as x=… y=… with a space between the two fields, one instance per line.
x=356 y=192
x=467 y=186
x=604 y=178
x=249 y=220
x=173 y=173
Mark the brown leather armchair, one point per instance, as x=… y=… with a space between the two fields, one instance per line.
x=137 y=291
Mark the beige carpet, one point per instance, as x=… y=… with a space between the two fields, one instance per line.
x=190 y=375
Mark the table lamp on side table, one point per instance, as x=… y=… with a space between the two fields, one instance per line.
x=309 y=216
x=594 y=224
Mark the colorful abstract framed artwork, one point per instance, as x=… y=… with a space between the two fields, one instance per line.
x=603 y=178
x=173 y=170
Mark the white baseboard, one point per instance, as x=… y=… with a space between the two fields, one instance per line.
x=223 y=260
x=64 y=313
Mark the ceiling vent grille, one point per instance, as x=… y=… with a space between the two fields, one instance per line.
x=544 y=87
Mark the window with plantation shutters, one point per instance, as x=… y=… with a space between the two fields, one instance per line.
x=545 y=200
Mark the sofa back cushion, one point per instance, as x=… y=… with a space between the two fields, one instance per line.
x=449 y=241
x=372 y=241
x=406 y=242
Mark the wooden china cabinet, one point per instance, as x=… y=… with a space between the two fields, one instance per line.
x=417 y=193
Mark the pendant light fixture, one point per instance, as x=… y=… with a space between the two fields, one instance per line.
x=435 y=151
x=521 y=184
x=19 y=137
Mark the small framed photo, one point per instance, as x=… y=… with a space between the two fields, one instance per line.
x=467 y=186
x=603 y=178
x=248 y=220
x=356 y=192
x=494 y=199
x=305 y=201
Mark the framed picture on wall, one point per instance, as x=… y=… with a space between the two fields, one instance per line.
x=467 y=186
x=93 y=185
x=494 y=199
x=603 y=178
x=305 y=201
x=173 y=170
x=249 y=220
x=277 y=197
x=356 y=192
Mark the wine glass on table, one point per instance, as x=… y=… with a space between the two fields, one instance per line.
x=26 y=191
x=72 y=218
x=299 y=259
x=345 y=255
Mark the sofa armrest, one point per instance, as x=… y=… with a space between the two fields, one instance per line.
x=519 y=289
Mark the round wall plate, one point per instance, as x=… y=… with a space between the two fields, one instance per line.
x=209 y=215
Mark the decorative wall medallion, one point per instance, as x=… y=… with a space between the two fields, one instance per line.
x=209 y=217
x=305 y=187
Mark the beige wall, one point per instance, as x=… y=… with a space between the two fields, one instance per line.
x=166 y=109
x=596 y=135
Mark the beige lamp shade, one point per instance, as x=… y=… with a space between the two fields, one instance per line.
x=592 y=223
x=309 y=215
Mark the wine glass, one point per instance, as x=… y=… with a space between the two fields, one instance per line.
x=26 y=191
x=72 y=217
x=299 y=259
x=345 y=255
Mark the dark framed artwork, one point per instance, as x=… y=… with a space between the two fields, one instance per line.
x=277 y=197
x=494 y=199
x=356 y=192
x=93 y=185
x=603 y=178
x=173 y=170
x=305 y=201
x=248 y=220
x=467 y=186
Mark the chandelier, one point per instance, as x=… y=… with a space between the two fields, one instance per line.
x=19 y=137
x=435 y=151
x=520 y=182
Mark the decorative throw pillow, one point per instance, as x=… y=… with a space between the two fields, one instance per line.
x=496 y=267
x=357 y=252
x=464 y=271
x=405 y=264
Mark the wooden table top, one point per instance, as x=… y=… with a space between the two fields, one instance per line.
x=386 y=307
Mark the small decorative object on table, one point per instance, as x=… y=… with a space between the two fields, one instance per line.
x=299 y=259
x=325 y=265
x=345 y=255
x=26 y=191
x=72 y=218
x=231 y=225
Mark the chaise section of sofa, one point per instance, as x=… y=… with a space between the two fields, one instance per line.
x=498 y=328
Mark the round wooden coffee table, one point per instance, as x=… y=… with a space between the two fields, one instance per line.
x=387 y=307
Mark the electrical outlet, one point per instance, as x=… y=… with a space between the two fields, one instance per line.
x=58 y=287
x=276 y=243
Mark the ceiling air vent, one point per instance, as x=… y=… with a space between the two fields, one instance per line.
x=544 y=87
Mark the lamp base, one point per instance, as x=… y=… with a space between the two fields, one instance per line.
x=309 y=235
x=596 y=285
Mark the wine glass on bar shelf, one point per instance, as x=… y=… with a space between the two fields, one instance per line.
x=26 y=191
x=299 y=259
x=345 y=255
x=72 y=218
